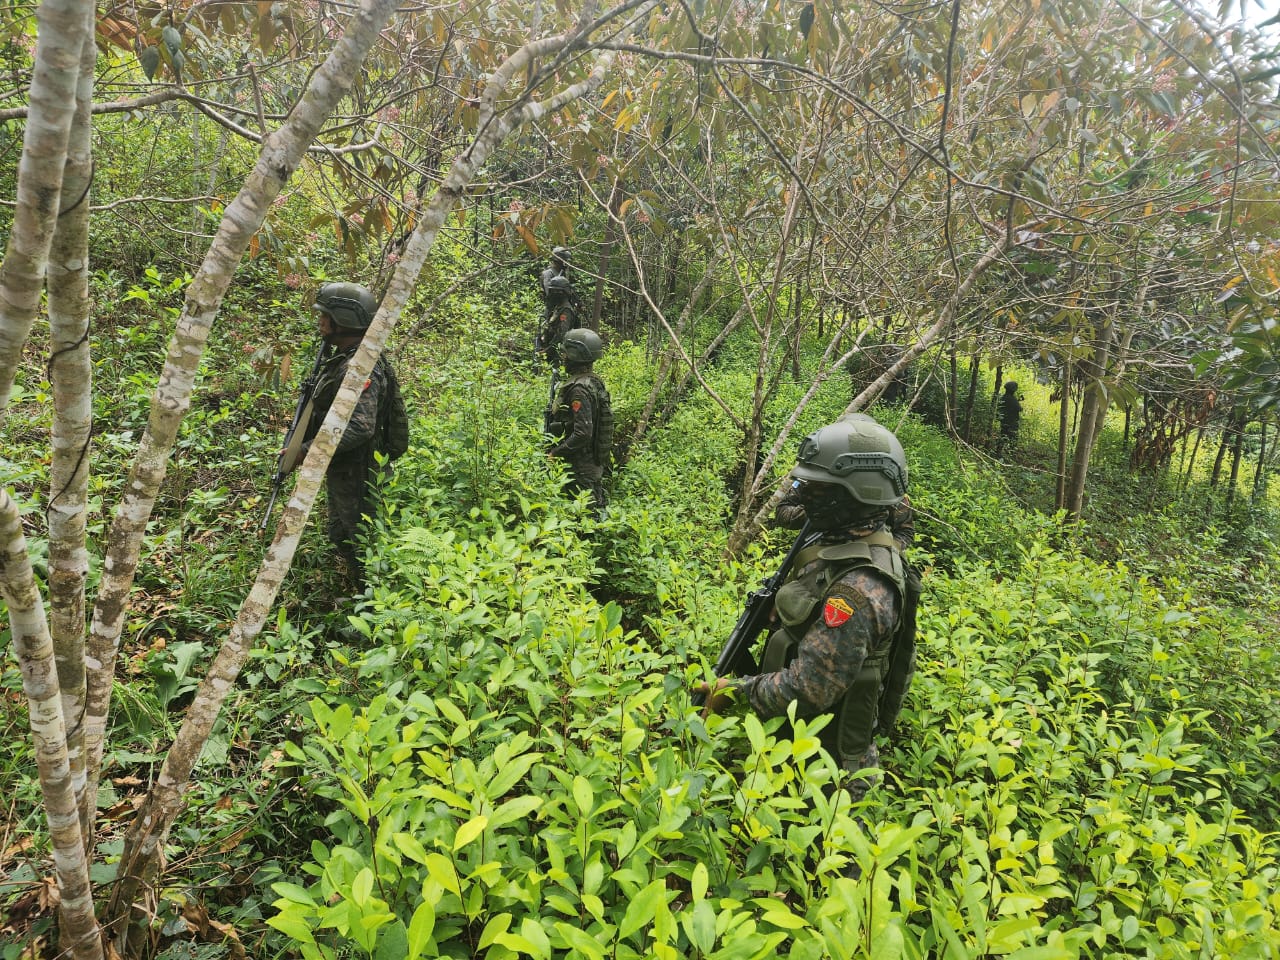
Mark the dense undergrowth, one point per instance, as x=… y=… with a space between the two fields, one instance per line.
x=497 y=756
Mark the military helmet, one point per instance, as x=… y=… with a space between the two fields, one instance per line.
x=560 y=255
x=350 y=305
x=859 y=455
x=581 y=345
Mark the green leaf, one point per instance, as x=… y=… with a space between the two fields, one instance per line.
x=292 y=925
x=516 y=809
x=643 y=908
x=581 y=941
x=420 y=929
x=583 y=795
x=294 y=893
x=149 y=58
x=469 y=831
x=497 y=925
x=172 y=39
x=410 y=846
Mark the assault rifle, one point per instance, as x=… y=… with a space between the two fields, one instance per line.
x=551 y=400
x=736 y=656
x=289 y=453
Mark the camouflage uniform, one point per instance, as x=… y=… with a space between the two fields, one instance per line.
x=827 y=660
x=350 y=481
x=559 y=310
x=789 y=515
x=575 y=420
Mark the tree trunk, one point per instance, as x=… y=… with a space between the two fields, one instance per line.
x=71 y=373
x=967 y=431
x=1259 y=473
x=1237 y=451
x=1064 y=435
x=606 y=253
x=1093 y=415
x=61 y=29
x=33 y=647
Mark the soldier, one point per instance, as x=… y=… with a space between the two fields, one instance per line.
x=845 y=640
x=581 y=417
x=1010 y=416
x=344 y=311
x=560 y=305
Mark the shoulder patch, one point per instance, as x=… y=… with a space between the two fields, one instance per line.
x=836 y=611
x=577 y=405
x=366 y=384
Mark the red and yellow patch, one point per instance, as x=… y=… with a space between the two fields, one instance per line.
x=366 y=384
x=577 y=405
x=836 y=611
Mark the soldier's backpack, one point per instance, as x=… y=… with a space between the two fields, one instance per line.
x=603 y=440
x=902 y=657
x=393 y=431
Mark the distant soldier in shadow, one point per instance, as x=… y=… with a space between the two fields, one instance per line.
x=559 y=306
x=1010 y=417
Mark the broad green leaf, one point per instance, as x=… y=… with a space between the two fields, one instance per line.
x=643 y=908
x=583 y=795
x=420 y=928
x=469 y=831
x=410 y=846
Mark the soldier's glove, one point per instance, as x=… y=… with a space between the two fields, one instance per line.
x=718 y=697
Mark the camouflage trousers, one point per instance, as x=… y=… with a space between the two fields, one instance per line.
x=588 y=475
x=350 y=492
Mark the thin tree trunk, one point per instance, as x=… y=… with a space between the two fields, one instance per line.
x=1223 y=445
x=1237 y=451
x=973 y=391
x=33 y=647
x=1191 y=461
x=1064 y=434
x=71 y=374
x=152 y=822
x=1259 y=472
x=606 y=253
x=1093 y=414
x=61 y=29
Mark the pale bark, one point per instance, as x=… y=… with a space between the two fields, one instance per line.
x=62 y=26
x=747 y=525
x=71 y=374
x=1094 y=411
x=281 y=154
x=34 y=650
x=153 y=821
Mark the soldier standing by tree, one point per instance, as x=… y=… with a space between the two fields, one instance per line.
x=378 y=423
x=581 y=416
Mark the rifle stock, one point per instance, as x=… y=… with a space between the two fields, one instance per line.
x=293 y=438
x=735 y=658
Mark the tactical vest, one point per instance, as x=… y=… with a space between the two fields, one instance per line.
x=798 y=605
x=602 y=408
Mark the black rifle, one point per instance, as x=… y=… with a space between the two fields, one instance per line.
x=736 y=656
x=292 y=448
x=547 y=424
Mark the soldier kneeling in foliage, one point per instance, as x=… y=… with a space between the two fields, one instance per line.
x=845 y=643
x=581 y=421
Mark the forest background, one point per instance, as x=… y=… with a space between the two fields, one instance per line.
x=778 y=211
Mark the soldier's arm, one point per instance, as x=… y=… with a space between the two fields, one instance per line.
x=789 y=514
x=581 y=431
x=859 y=612
x=902 y=524
x=363 y=426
